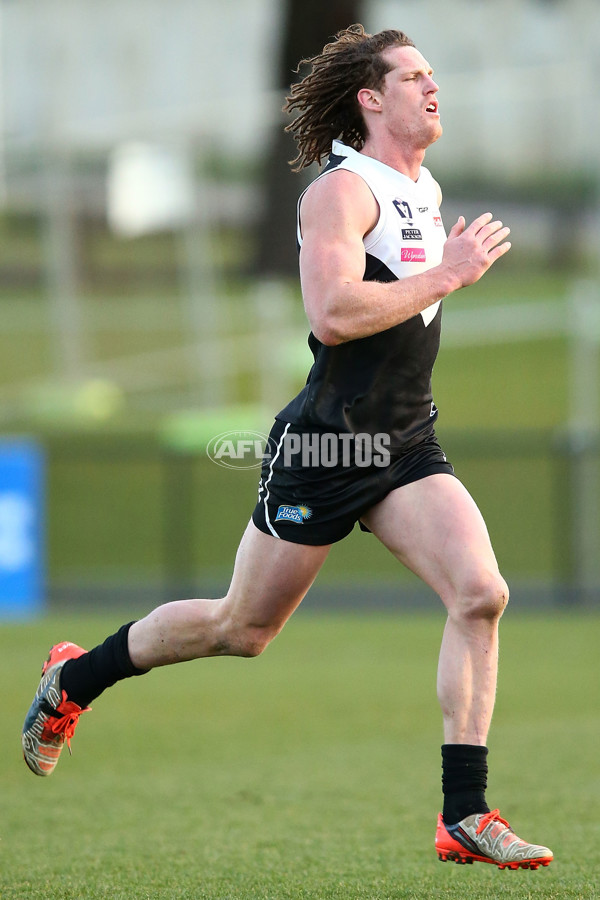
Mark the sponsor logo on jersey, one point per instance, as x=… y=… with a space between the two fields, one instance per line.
x=411 y=234
x=296 y=514
x=437 y=220
x=412 y=254
x=403 y=209
x=423 y=209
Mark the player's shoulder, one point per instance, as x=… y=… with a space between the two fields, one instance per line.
x=338 y=189
x=343 y=196
x=338 y=182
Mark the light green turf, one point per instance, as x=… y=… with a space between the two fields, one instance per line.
x=312 y=772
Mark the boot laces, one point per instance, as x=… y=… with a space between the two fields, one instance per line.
x=67 y=723
x=493 y=816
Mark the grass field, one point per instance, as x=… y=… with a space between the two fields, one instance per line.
x=312 y=772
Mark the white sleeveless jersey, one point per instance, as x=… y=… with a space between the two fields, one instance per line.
x=382 y=383
x=409 y=236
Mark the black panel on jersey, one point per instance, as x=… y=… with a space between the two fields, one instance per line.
x=376 y=384
x=375 y=270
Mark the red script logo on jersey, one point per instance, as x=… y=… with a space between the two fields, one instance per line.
x=412 y=254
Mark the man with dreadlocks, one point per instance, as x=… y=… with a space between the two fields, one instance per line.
x=358 y=443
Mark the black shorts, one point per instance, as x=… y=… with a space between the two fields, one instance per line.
x=315 y=486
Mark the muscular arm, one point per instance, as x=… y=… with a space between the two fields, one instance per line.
x=337 y=211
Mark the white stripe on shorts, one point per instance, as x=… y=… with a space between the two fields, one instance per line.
x=278 y=451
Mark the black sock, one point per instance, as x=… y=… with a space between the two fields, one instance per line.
x=85 y=678
x=464 y=781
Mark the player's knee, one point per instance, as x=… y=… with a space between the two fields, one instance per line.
x=251 y=641
x=484 y=596
x=235 y=636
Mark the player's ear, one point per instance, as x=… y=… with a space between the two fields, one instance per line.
x=369 y=99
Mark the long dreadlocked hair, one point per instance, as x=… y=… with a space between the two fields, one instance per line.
x=326 y=98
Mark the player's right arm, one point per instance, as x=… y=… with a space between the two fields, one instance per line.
x=337 y=212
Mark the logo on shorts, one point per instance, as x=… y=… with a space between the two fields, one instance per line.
x=295 y=514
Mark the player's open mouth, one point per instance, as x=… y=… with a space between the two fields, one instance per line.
x=432 y=107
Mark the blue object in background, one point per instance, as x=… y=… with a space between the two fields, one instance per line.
x=22 y=563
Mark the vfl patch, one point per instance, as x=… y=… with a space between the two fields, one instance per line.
x=412 y=254
x=411 y=234
x=296 y=514
x=437 y=220
x=403 y=209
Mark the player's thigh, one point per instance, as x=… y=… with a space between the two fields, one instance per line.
x=434 y=527
x=270 y=578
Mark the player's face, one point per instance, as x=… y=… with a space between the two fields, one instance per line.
x=409 y=101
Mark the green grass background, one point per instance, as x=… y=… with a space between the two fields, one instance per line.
x=311 y=772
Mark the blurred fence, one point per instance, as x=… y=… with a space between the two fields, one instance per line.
x=141 y=514
x=138 y=522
